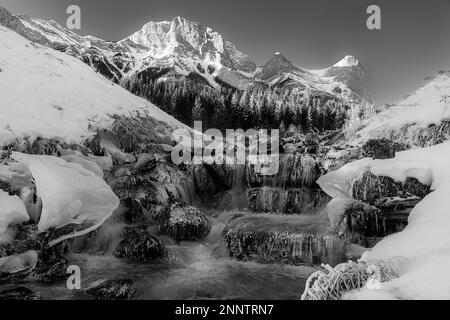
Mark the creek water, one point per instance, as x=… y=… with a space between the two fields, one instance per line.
x=195 y=270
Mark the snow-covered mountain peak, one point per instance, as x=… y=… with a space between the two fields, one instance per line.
x=185 y=48
x=163 y=37
x=347 y=61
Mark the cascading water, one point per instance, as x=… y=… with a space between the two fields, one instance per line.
x=274 y=266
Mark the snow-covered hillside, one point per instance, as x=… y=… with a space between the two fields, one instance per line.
x=46 y=93
x=429 y=104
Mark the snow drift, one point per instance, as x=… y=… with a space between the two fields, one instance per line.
x=425 y=242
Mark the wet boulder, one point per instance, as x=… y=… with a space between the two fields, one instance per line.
x=19 y=293
x=155 y=186
x=52 y=273
x=356 y=222
x=186 y=223
x=114 y=289
x=26 y=238
x=132 y=212
x=139 y=245
x=17 y=267
x=292 y=240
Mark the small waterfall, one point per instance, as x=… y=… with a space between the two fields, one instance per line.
x=287 y=201
x=268 y=238
x=236 y=197
x=102 y=241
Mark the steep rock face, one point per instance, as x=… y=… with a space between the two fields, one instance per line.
x=350 y=72
x=275 y=67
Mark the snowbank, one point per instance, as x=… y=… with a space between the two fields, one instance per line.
x=75 y=200
x=425 y=242
x=46 y=93
x=12 y=211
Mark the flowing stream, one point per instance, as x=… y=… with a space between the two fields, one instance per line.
x=196 y=270
x=204 y=269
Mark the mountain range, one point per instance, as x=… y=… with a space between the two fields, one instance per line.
x=185 y=49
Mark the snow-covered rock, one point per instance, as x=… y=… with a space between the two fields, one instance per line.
x=75 y=201
x=424 y=244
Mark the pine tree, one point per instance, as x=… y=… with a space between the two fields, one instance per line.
x=197 y=110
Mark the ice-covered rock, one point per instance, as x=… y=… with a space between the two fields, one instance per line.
x=75 y=201
x=85 y=163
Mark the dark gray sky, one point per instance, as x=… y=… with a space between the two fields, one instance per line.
x=414 y=41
